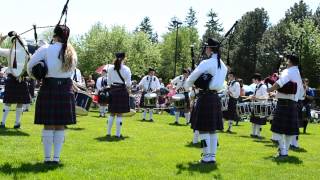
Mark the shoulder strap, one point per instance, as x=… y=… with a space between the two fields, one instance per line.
x=118 y=71
x=75 y=75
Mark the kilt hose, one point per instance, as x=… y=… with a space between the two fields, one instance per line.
x=231 y=113
x=206 y=114
x=16 y=92
x=285 y=120
x=119 y=99
x=55 y=103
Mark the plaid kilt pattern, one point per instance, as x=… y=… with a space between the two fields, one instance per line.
x=258 y=120
x=302 y=115
x=119 y=100
x=16 y=92
x=231 y=113
x=285 y=120
x=55 y=103
x=206 y=114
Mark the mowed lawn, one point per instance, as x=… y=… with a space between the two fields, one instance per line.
x=156 y=150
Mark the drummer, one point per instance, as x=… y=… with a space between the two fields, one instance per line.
x=77 y=77
x=15 y=92
x=260 y=95
x=179 y=83
x=149 y=84
x=101 y=85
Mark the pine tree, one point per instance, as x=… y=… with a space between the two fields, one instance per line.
x=191 y=19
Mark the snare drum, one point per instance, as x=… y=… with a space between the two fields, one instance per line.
x=83 y=102
x=150 y=100
x=224 y=102
x=244 y=109
x=179 y=101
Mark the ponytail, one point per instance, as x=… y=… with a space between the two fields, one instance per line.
x=117 y=64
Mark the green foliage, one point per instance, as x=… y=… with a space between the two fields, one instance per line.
x=146 y=27
x=298 y=12
x=5 y=44
x=213 y=26
x=191 y=19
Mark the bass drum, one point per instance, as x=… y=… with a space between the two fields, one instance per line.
x=83 y=103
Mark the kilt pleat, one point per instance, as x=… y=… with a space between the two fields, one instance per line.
x=231 y=113
x=16 y=92
x=258 y=120
x=55 y=104
x=206 y=114
x=119 y=100
x=285 y=120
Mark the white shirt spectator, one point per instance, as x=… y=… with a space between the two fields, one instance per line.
x=209 y=66
x=149 y=83
x=113 y=76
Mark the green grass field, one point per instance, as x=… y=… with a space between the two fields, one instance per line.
x=156 y=150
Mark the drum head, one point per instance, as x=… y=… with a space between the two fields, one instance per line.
x=18 y=58
x=178 y=97
x=150 y=95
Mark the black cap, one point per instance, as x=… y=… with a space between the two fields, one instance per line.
x=213 y=43
x=257 y=76
x=120 y=55
x=62 y=31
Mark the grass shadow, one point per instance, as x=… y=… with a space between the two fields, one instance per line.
x=9 y=132
x=282 y=160
x=191 y=145
x=225 y=132
x=273 y=145
x=192 y=167
x=76 y=128
x=100 y=117
x=111 y=138
x=145 y=121
x=298 y=149
x=174 y=124
x=28 y=168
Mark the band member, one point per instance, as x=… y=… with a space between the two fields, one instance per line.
x=31 y=86
x=119 y=79
x=308 y=98
x=149 y=83
x=234 y=92
x=260 y=95
x=55 y=105
x=101 y=88
x=285 y=121
x=206 y=115
x=15 y=92
x=77 y=77
x=179 y=83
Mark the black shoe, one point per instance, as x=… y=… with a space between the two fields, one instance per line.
x=259 y=137
x=143 y=119
x=119 y=137
x=17 y=126
x=55 y=162
x=151 y=120
x=207 y=162
x=47 y=162
x=108 y=135
x=100 y=115
x=280 y=156
x=253 y=136
x=229 y=131
x=294 y=147
x=2 y=126
x=176 y=123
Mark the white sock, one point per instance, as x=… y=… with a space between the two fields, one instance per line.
x=104 y=110
x=288 y=140
x=6 y=110
x=213 y=146
x=230 y=125
x=205 y=143
x=18 y=115
x=177 y=115
x=110 y=123
x=276 y=136
x=47 y=140
x=187 y=116
x=253 y=129
x=258 y=129
x=295 y=140
x=151 y=113
x=282 y=145
x=144 y=114
x=195 y=136
x=119 y=125
x=58 y=139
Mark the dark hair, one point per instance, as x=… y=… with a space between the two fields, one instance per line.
x=240 y=82
x=214 y=45
x=119 y=57
x=62 y=31
x=294 y=59
x=233 y=73
x=257 y=76
x=185 y=70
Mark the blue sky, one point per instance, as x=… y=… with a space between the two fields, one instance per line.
x=19 y=15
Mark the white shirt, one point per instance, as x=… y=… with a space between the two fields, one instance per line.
x=290 y=74
x=113 y=76
x=209 y=66
x=151 y=82
x=261 y=91
x=77 y=77
x=98 y=83
x=50 y=54
x=234 y=88
x=178 y=83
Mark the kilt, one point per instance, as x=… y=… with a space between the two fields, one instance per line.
x=119 y=99
x=55 y=103
x=285 y=120
x=231 y=113
x=258 y=120
x=16 y=92
x=206 y=114
x=302 y=114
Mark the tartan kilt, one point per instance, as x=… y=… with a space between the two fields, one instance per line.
x=285 y=120
x=231 y=113
x=16 y=92
x=55 y=103
x=206 y=114
x=258 y=120
x=119 y=100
